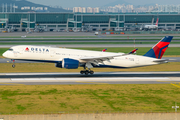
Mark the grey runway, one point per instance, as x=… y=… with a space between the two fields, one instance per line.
x=97 y=78
x=5 y=60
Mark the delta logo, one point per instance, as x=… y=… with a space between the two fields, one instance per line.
x=27 y=49
x=37 y=49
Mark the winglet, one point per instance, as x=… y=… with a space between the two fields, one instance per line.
x=133 y=51
x=104 y=50
x=159 y=49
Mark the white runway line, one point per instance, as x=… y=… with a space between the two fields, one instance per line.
x=93 y=79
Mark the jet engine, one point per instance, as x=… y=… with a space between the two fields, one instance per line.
x=68 y=64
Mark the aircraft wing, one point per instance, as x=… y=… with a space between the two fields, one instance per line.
x=100 y=58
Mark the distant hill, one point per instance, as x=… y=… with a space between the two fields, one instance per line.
x=117 y=2
x=23 y=3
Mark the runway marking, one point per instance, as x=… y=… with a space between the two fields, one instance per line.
x=91 y=82
x=175 y=85
x=11 y=83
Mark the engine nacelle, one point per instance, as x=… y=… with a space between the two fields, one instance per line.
x=70 y=63
x=59 y=65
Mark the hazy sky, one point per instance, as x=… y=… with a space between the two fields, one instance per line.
x=99 y=3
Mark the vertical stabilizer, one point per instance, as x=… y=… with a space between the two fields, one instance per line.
x=157 y=21
x=159 y=49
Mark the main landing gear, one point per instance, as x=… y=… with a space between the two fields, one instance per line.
x=86 y=72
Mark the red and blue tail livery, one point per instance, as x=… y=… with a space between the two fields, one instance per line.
x=159 y=49
x=104 y=50
x=133 y=51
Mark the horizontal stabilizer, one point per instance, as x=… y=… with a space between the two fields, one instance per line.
x=161 y=60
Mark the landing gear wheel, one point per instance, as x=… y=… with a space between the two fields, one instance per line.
x=86 y=72
x=13 y=66
x=91 y=72
x=82 y=72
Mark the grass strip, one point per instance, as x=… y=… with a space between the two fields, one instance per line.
x=99 y=39
x=39 y=99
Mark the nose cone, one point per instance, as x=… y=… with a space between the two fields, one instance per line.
x=5 y=54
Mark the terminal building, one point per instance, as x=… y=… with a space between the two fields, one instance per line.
x=82 y=21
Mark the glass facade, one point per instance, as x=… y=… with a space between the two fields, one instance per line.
x=129 y=18
x=39 y=18
x=138 y=19
x=82 y=19
x=55 y=18
x=96 y=19
x=2 y=25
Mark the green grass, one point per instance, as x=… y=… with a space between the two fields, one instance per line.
x=76 y=39
x=40 y=99
x=2 y=50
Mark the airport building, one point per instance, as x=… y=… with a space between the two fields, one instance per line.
x=84 y=21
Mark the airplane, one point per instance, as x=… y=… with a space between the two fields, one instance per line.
x=73 y=58
x=23 y=36
x=152 y=26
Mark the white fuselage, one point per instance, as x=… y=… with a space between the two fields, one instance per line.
x=55 y=55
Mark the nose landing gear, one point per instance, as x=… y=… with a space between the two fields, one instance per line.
x=13 y=65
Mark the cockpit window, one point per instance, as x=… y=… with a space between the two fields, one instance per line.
x=10 y=49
